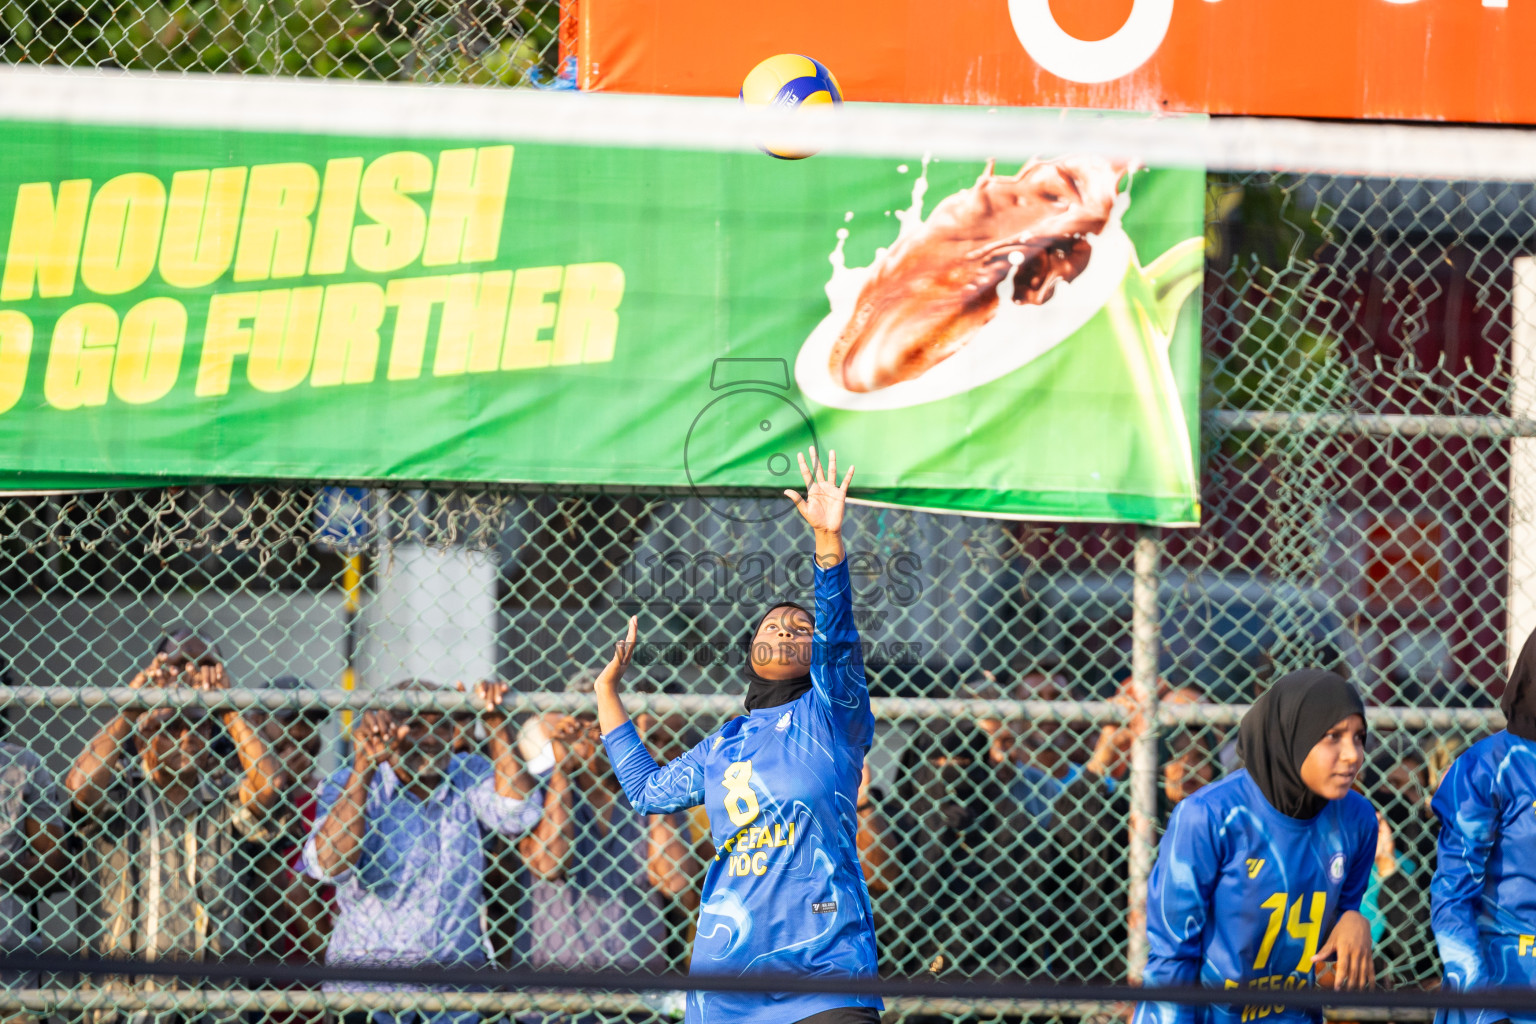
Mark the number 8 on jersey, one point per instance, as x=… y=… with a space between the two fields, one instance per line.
x=740 y=801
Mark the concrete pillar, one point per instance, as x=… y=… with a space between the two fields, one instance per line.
x=430 y=615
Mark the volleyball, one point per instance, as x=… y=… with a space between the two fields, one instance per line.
x=790 y=81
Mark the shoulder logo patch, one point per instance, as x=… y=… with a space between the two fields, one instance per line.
x=783 y=722
x=1336 y=868
x=1255 y=865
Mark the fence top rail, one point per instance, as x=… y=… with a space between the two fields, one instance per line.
x=1372 y=424
x=55 y=1000
x=449 y=701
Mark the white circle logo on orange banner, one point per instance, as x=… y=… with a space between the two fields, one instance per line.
x=1097 y=60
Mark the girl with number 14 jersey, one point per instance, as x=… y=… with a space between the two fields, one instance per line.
x=785 y=894
x=1259 y=877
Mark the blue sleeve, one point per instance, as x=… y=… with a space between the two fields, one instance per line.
x=652 y=789
x=837 y=658
x=1179 y=896
x=1468 y=811
x=1362 y=860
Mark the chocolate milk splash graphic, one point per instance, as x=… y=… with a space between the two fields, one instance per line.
x=1018 y=322
x=1005 y=239
x=998 y=275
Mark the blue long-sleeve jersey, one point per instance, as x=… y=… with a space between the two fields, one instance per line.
x=1483 y=897
x=1242 y=897
x=784 y=894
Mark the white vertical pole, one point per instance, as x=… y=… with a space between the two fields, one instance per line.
x=1522 y=458
x=1145 y=644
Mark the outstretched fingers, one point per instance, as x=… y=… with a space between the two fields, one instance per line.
x=624 y=650
x=491 y=692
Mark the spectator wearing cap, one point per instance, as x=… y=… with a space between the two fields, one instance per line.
x=293 y=910
x=164 y=820
x=401 y=833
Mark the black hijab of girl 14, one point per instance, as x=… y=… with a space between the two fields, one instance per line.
x=1283 y=726
x=1519 y=701
x=770 y=693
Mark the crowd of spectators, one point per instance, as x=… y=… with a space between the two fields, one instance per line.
x=1002 y=846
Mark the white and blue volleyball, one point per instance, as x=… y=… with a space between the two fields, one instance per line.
x=791 y=81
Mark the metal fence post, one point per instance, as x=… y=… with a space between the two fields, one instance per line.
x=1145 y=642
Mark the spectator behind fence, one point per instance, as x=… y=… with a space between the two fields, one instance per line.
x=401 y=834
x=1397 y=899
x=1035 y=757
x=32 y=857
x=164 y=823
x=292 y=910
x=1090 y=839
x=957 y=850
x=602 y=876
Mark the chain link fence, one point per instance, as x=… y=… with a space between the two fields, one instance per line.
x=1364 y=495
x=471 y=42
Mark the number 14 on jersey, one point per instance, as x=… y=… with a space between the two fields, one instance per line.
x=1309 y=931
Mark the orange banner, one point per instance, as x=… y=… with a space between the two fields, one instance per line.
x=1454 y=60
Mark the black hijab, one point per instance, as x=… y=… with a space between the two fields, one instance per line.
x=1283 y=726
x=770 y=693
x=1519 y=702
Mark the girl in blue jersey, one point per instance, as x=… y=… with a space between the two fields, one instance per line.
x=1483 y=897
x=1259 y=877
x=784 y=894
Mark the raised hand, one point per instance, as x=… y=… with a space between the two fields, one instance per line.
x=563 y=736
x=492 y=694
x=1112 y=753
x=822 y=506
x=209 y=677
x=153 y=674
x=374 y=737
x=610 y=709
x=623 y=653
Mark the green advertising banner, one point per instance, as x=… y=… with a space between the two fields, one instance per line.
x=187 y=304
